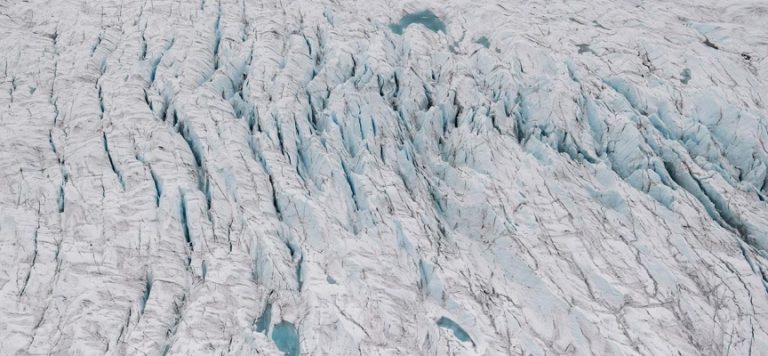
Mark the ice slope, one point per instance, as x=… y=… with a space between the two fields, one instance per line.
x=383 y=177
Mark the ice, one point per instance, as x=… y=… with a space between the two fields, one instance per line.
x=339 y=178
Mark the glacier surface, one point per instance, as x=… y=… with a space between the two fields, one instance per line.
x=238 y=177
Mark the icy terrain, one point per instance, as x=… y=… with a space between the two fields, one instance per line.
x=243 y=177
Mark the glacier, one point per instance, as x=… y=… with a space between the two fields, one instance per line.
x=237 y=177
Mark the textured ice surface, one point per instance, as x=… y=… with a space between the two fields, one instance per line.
x=483 y=178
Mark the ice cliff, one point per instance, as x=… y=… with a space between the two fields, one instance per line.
x=243 y=177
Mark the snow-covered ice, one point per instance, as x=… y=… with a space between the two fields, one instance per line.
x=240 y=177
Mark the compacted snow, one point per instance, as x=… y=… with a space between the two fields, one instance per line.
x=243 y=177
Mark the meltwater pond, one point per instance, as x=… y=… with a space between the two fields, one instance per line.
x=458 y=331
x=262 y=323
x=286 y=338
x=424 y=17
x=483 y=41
